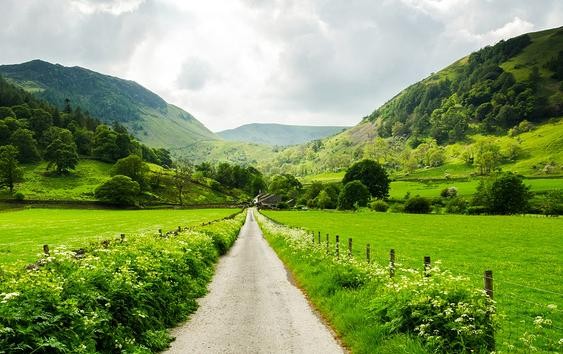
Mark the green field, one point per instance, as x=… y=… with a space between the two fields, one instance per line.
x=525 y=254
x=24 y=232
x=432 y=189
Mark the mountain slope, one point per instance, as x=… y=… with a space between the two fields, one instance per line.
x=278 y=134
x=493 y=92
x=108 y=98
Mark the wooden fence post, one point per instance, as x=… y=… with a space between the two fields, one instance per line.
x=350 y=247
x=488 y=283
x=427 y=266
x=160 y=232
x=368 y=251
x=122 y=238
x=327 y=244
x=46 y=250
x=337 y=245
x=319 y=237
x=313 y=236
x=391 y=263
x=179 y=228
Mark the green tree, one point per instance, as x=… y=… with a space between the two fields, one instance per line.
x=6 y=112
x=10 y=172
x=286 y=186
x=133 y=167
x=182 y=177
x=486 y=156
x=62 y=155
x=417 y=205
x=120 y=190
x=323 y=200
x=23 y=140
x=372 y=175
x=84 y=139
x=354 y=193
x=503 y=194
x=105 y=147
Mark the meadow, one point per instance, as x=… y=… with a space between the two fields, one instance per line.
x=24 y=232
x=524 y=253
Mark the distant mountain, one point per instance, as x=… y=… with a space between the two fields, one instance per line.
x=278 y=134
x=148 y=116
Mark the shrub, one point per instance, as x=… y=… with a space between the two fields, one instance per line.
x=19 y=196
x=120 y=190
x=552 y=203
x=448 y=192
x=353 y=193
x=503 y=194
x=457 y=205
x=379 y=205
x=417 y=205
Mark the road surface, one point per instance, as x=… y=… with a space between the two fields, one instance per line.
x=252 y=307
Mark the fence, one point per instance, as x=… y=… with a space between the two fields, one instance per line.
x=531 y=325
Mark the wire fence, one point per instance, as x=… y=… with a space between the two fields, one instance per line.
x=531 y=316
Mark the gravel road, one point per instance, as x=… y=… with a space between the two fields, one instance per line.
x=252 y=307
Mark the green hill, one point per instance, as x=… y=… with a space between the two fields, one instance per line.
x=278 y=134
x=108 y=98
x=509 y=95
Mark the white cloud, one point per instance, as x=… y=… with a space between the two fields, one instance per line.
x=294 y=61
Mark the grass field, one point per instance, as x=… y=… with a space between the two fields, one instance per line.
x=525 y=254
x=24 y=232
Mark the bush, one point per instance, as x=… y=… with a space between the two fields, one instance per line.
x=353 y=194
x=417 y=205
x=120 y=190
x=379 y=205
x=457 y=205
x=503 y=194
x=552 y=203
x=448 y=192
x=19 y=196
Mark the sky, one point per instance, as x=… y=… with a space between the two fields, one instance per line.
x=233 y=62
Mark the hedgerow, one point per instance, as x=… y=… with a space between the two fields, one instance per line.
x=443 y=310
x=114 y=297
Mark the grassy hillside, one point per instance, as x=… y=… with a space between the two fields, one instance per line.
x=510 y=94
x=79 y=185
x=278 y=134
x=110 y=99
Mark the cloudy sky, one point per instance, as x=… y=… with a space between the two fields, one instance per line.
x=231 y=62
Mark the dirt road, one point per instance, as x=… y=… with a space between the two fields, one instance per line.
x=252 y=307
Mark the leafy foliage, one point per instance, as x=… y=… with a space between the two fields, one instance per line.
x=10 y=172
x=503 y=194
x=354 y=194
x=417 y=205
x=121 y=190
x=372 y=175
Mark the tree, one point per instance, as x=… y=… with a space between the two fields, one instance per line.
x=323 y=200
x=486 y=156
x=182 y=177
x=354 y=193
x=503 y=194
x=133 y=167
x=105 y=147
x=62 y=155
x=372 y=175
x=10 y=172
x=286 y=186
x=120 y=190
x=23 y=140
